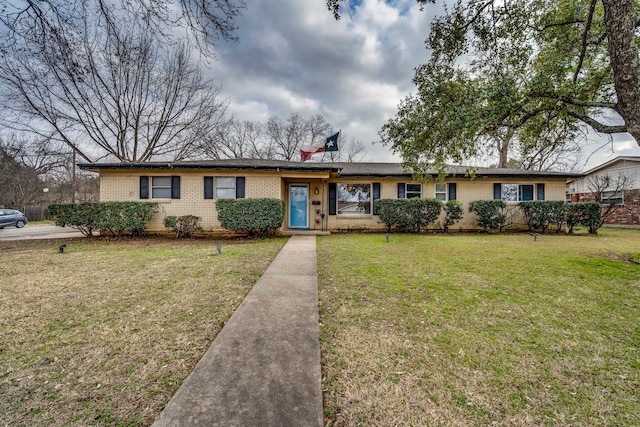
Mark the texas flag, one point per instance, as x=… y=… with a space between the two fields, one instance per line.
x=330 y=144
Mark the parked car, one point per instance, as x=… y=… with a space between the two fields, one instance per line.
x=12 y=218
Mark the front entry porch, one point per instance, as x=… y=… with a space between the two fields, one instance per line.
x=305 y=202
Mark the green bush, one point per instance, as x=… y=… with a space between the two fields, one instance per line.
x=453 y=213
x=540 y=214
x=114 y=218
x=183 y=226
x=81 y=216
x=588 y=214
x=257 y=217
x=490 y=214
x=393 y=213
x=408 y=214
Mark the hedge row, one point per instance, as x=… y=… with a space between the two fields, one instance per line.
x=114 y=218
x=539 y=215
x=415 y=214
x=257 y=217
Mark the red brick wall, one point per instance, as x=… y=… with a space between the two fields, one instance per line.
x=629 y=214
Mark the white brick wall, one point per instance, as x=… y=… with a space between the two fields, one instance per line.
x=124 y=186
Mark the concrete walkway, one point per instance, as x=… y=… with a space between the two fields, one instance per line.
x=263 y=369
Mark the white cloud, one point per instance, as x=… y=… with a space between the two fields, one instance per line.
x=294 y=57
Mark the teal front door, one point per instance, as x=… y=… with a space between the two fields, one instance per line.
x=298 y=206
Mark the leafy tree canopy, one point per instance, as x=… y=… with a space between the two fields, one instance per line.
x=527 y=71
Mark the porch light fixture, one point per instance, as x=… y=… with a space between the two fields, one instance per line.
x=315 y=190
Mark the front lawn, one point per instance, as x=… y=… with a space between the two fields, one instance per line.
x=105 y=333
x=475 y=329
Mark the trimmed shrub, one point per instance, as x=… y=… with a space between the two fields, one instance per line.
x=490 y=214
x=183 y=226
x=81 y=216
x=114 y=218
x=408 y=214
x=393 y=213
x=257 y=217
x=540 y=214
x=453 y=213
x=587 y=214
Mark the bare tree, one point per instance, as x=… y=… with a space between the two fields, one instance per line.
x=236 y=139
x=608 y=189
x=205 y=21
x=20 y=185
x=109 y=92
x=288 y=136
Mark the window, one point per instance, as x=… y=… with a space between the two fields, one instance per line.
x=413 y=190
x=354 y=199
x=441 y=191
x=612 y=197
x=409 y=190
x=514 y=192
x=224 y=187
x=160 y=187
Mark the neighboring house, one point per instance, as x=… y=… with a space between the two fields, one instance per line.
x=623 y=177
x=318 y=196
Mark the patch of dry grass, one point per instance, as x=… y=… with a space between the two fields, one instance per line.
x=105 y=333
x=480 y=329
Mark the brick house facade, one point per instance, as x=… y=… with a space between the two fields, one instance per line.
x=315 y=194
x=627 y=203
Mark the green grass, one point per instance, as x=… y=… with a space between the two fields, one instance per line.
x=476 y=329
x=105 y=333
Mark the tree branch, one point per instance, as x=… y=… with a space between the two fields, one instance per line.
x=598 y=126
x=574 y=101
x=585 y=33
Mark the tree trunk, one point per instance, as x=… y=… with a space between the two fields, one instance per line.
x=620 y=23
x=503 y=147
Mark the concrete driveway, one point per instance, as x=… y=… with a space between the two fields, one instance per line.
x=38 y=232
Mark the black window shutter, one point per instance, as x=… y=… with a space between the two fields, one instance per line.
x=497 y=191
x=333 y=198
x=240 y=187
x=208 y=187
x=401 y=188
x=175 y=187
x=452 y=191
x=540 y=190
x=144 y=187
x=376 y=195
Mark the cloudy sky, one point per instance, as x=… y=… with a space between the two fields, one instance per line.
x=293 y=57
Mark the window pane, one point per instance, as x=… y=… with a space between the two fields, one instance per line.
x=414 y=188
x=161 y=193
x=510 y=192
x=354 y=199
x=441 y=191
x=225 y=193
x=527 y=193
x=226 y=182
x=161 y=181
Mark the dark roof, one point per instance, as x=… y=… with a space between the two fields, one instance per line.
x=351 y=170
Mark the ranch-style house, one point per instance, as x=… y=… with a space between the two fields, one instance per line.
x=321 y=197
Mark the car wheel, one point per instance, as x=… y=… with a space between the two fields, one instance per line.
x=20 y=224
